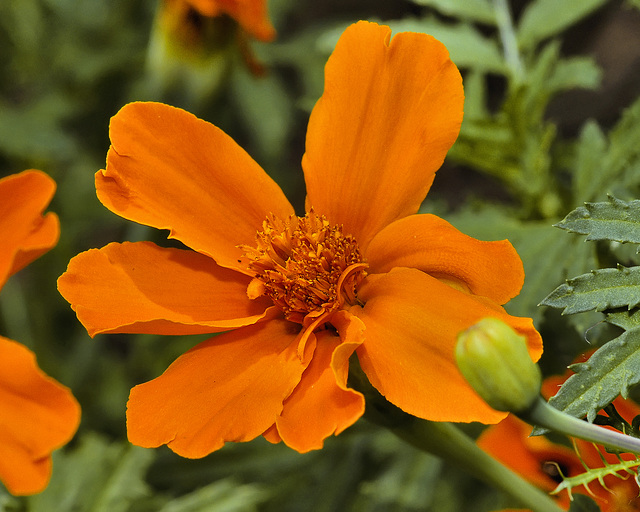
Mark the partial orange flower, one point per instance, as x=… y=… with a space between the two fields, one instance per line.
x=251 y=15
x=194 y=43
x=541 y=461
x=37 y=414
x=360 y=271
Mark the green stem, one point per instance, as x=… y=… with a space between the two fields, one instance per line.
x=544 y=415
x=450 y=443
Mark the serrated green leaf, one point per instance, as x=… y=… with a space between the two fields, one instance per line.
x=480 y=11
x=614 y=220
x=546 y=18
x=598 y=290
x=609 y=372
x=627 y=319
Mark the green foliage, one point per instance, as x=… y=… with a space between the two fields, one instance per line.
x=599 y=290
x=599 y=474
x=480 y=11
x=222 y=496
x=610 y=371
x=615 y=367
x=614 y=220
x=546 y=18
x=97 y=477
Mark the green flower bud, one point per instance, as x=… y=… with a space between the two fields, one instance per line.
x=495 y=361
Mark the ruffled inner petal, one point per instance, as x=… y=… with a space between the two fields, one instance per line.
x=431 y=244
x=142 y=288
x=168 y=169
x=412 y=321
x=322 y=404
x=228 y=388
x=389 y=113
x=39 y=415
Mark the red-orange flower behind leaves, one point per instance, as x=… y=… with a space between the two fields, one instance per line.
x=359 y=272
x=37 y=414
x=543 y=462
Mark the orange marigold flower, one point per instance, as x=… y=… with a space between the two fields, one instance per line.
x=37 y=414
x=298 y=294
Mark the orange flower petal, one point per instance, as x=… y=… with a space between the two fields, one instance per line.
x=321 y=405
x=252 y=15
x=142 y=288
x=168 y=169
x=271 y=434
x=228 y=388
x=412 y=321
x=388 y=116
x=38 y=416
x=431 y=244
x=26 y=233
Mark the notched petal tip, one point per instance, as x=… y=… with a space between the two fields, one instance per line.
x=389 y=120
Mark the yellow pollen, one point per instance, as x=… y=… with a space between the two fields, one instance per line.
x=307 y=266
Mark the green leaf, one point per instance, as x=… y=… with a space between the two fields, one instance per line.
x=615 y=220
x=577 y=72
x=626 y=319
x=480 y=11
x=264 y=106
x=583 y=503
x=97 y=477
x=598 y=290
x=546 y=18
x=590 y=174
x=609 y=372
x=222 y=496
x=624 y=151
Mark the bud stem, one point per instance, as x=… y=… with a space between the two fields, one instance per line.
x=451 y=444
x=544 y=415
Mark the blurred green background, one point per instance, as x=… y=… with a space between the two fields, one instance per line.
x=552 y=119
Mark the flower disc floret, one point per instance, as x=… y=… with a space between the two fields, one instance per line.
x=306 y=265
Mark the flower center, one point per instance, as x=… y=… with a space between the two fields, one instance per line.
x=305 y=265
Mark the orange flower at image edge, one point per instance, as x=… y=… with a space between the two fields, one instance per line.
x=359 y=272
x=540 y=461
x=37 y=414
